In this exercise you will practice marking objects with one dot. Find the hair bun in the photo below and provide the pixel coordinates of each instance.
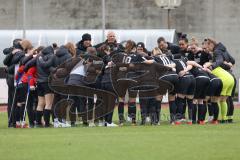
(184, 36)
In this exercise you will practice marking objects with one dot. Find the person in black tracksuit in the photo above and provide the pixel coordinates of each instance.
(13, 57)
(171, 77)
(44, 64)
(185, 87)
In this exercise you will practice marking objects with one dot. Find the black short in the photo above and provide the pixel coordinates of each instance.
(21, 93)
(122, 87)
(173, 79)
(215, 87)
(202, 85)
(43, 89)
(186, 85)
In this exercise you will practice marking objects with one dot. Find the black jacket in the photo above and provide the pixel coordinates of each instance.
(11, 60)
(32, 62)
(205, 57)
(114, 46)
(173, 48)
(6, 51)
(81, 49)
(44, 63)
(220, 55)
(187, 54)
(106, 78)
(201, 57)
(25, 59)
(62, 54)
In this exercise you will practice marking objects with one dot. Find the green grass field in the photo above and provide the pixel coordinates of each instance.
(208, 142)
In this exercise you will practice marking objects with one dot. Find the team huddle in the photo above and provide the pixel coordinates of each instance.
(87, 82)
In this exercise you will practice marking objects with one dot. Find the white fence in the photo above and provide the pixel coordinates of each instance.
(47, 37)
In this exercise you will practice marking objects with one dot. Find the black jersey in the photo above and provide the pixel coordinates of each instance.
(181, 64)
(202, 57)
(205, 57)
(106, 69)
(133, 58)
(197, 57)
(187, 54)
(164, 60)
(196, 71)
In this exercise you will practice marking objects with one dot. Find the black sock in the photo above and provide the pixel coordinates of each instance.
(190, 108)
(132, 111)
(143, 107)
(210, 109)
(47, 114)
(230, 107)
(30, 111)
(22, 112)
(184, 109)
(180, 104)
(53, 115)
(153, 111)
(202, 109)
(121, 111)
(173, 110)
(17, 114)
(108, 118)
(215, 110)
(194, 113)
(199, 113)
(153, 117)
(158, 110)
(39, 115)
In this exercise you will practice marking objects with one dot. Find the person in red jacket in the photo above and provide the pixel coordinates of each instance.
(24, 96)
